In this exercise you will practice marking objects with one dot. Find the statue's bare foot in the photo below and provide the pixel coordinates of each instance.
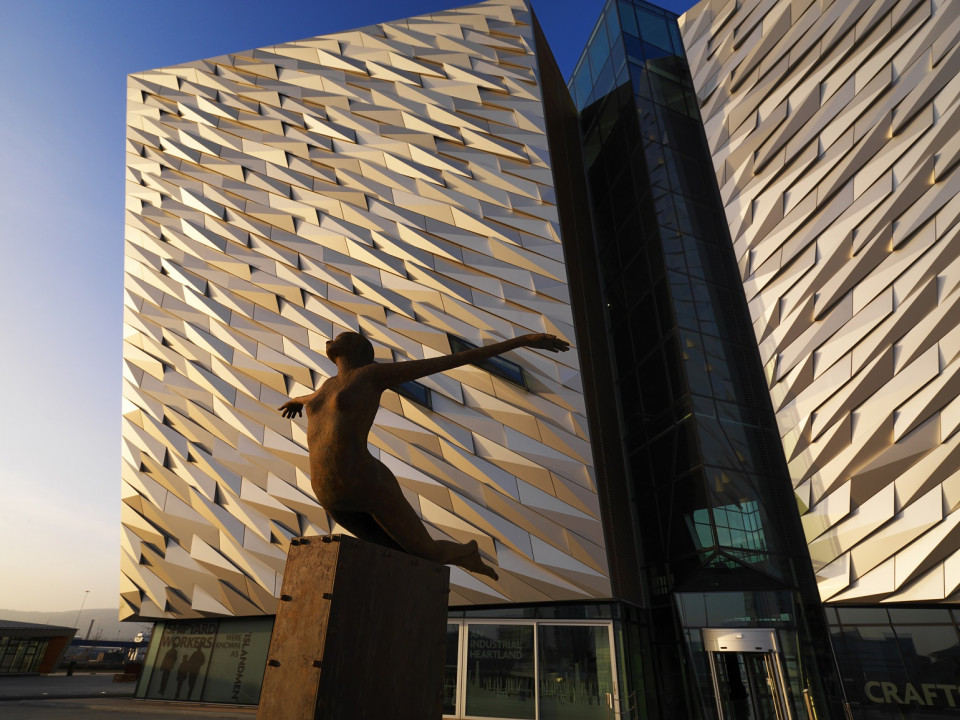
(471, 560)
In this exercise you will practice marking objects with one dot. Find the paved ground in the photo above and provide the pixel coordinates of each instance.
(95, 696)
(116, 709)
(13, 687)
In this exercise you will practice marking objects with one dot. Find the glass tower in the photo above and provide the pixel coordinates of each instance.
(718, 531)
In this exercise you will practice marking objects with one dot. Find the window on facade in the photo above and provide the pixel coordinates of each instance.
(496, 365)
(500, 680)
(237, 661)
(418, 393)
(575, 672)
(909, 660)
(736, 528)
(21, 655)
(9, 650)
(929, 652)
(451, 656)
(182, 659)
(208, 660)
(510, 669)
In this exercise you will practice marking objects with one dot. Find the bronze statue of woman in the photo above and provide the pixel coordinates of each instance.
(358, 491)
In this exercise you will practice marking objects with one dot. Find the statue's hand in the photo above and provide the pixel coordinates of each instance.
(291, 409)
(545, 341)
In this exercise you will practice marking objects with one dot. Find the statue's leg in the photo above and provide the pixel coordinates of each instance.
(393, 513)
(364, 527)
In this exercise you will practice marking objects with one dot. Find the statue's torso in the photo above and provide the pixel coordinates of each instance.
(339, 419)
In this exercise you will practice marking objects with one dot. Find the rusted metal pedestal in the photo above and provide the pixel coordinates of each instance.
(359, 635)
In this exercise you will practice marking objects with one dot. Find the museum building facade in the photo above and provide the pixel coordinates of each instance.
(435, 184)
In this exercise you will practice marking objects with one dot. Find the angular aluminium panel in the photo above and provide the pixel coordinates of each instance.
(835, 133)
(393, 180)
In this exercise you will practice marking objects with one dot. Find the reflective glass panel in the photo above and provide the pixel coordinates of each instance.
(496, 365)
(11, 656)
(654, 29)
(627, 18)
(183, 655)
(412, 390)
(237, 661)
(599, 48)
(451, 655)
(149, 663)
(33, 656)
(931, 653)
(863, 616)
(576, 674)
(613, 26)
(583, 83)
(21, 655)
(920, 616)
(747, 686)
(500, 680)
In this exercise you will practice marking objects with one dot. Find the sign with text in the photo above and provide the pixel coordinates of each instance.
(182, 658)
(923, 694)
(238, 661)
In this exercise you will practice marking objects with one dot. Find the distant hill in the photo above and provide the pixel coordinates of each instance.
(106, 626)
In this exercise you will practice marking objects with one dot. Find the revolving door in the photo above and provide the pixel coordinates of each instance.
(748, 677)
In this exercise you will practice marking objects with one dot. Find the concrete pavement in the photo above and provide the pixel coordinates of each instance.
(96, 696)
(21, 687)
(117, 709)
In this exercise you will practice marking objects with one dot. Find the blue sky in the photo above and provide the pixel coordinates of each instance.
(64, 65)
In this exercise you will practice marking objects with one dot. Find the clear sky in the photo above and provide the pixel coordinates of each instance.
(64, 65)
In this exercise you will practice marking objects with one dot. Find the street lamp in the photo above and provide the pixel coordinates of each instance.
(82, 602)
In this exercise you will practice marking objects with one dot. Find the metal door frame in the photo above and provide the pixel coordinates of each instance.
(463, 624)
(747, 640)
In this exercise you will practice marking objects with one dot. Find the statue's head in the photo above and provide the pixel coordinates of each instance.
(352, 347)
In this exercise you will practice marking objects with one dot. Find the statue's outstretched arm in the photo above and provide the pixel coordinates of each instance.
(390, 374)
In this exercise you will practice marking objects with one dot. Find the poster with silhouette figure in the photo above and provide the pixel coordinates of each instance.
(183, 656)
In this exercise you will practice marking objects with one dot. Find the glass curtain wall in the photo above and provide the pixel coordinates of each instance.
(709, 482)
(530, 670)
(21, 655)
(575, 672)
(499, 668)
(220, 661)
(706, 463)
(899, 662)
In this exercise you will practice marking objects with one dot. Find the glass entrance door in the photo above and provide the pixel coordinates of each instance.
(530, 670)
(747, 687)
(747, 675)
(575, 671)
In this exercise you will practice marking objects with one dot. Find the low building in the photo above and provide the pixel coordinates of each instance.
(27, 648)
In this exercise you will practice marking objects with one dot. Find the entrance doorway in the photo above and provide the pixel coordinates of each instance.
(530, 670)
(747, 674)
